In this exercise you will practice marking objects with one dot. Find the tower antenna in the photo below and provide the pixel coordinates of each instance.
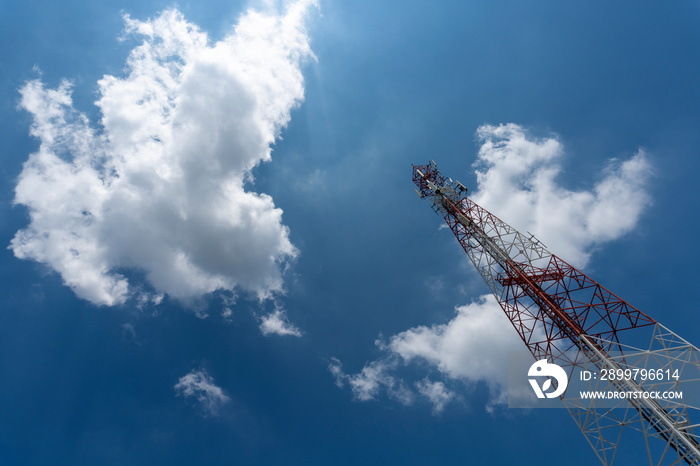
(569, 319)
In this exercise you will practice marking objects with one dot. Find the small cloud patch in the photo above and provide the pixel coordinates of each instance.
(199, 385)
(277, 323)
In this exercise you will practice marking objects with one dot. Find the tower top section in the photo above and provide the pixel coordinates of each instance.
(430, 183)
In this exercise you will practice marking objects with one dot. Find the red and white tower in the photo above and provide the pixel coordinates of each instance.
(567, 318)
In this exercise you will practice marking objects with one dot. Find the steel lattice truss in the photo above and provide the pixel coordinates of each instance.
(563, 315)
(605, 425)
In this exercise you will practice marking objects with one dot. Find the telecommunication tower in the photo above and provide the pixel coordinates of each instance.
(567, 318)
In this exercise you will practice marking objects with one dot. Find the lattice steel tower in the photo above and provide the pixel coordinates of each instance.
(563, 315)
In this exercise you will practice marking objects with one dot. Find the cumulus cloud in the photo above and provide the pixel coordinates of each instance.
(277, 323)
(473, 346)
(200, 385)
(159, 186)
(516, 180)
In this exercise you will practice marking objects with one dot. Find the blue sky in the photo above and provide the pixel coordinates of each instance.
(168, 315)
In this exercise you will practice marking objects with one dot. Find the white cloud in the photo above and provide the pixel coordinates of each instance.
(517, 182)
(160, 186)
(437, 393)
(375, 376)
(473, 346)
(277, 323)
(201, 386)
(516, 177)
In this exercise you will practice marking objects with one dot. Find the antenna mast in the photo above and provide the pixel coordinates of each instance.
(566, 317)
